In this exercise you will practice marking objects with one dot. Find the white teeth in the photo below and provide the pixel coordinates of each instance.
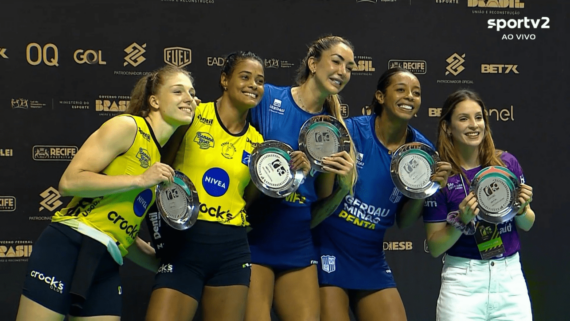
(472, 134)
(336, 81)
(406, 107)
(186, 109)
(251, 95)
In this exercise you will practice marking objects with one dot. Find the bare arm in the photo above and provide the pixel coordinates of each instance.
(329, 199)
(83, 176)
(525, 217)
(143, 255)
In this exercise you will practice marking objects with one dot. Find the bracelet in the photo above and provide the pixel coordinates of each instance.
(454, 220)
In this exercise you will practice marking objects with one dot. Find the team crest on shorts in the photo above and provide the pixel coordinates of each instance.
(328, 263)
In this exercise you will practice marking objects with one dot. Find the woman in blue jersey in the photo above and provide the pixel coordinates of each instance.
(284, 274)
(210, 263)
(74, 269)
(353, 269)
(475, 285)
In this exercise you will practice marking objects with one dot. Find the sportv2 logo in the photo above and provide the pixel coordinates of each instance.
(524, 23)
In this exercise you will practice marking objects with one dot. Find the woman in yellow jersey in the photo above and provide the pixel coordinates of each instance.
(74, 269)
(211, 261)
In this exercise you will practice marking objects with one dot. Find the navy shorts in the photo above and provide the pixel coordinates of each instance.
(283, 241)
(208, 254)
(51, 269)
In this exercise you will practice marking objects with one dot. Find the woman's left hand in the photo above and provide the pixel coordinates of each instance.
(525, 197)
(442, 171)
(299, 161)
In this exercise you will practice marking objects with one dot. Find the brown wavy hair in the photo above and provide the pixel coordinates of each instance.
(332, 102)
(148, 86)
(488, 155)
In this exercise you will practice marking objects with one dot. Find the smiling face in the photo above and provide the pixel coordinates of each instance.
(402, 98)
(244, 85)
(467, 126)
(332, 71)
(176, 99)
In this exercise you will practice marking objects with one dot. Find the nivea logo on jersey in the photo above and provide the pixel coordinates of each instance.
(143, 157)
(245, 157)
(216, 181)
(275, 107)
(396, 196)
(207, 121)
(204, 140)
(146, 136)
(130, 229)
(54, 284)
(359, 160)
(142, 201)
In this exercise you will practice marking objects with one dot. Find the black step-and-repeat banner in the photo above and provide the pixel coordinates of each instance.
(68, 66)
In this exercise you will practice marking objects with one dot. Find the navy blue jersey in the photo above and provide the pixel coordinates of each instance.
(281, 235)
(350, 240)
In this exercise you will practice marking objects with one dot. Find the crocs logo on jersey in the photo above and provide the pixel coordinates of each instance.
(204, 140)
(166, 268)
(54, 284)
(216, 181)
(130, 229)
(217, 212)
(143, 157)
(142, 201)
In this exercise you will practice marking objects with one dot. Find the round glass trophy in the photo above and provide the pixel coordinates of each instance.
(270, 170)
(178, 202)
(411, 168)
(496, 189)
(322, 136)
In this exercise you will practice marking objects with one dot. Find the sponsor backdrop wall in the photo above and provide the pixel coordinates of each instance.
(68, 66)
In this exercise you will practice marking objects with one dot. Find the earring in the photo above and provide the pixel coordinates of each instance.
(225, 88)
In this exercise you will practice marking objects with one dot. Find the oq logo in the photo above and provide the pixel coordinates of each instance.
(91, 57)
(134, 55)
(7, 203)
(50, 199)
(496, 3)
(3, 53)
(455, 62)
(49, 54)
(177, 56)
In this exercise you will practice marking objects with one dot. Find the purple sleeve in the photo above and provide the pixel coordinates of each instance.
(513, 165)
(435, 207)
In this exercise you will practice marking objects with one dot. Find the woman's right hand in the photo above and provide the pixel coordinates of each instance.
(156, 174)
(468, 208)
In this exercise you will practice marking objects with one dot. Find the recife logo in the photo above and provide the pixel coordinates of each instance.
(142, 201)
(216, 181)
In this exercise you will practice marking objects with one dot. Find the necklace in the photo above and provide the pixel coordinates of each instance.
(303, 107)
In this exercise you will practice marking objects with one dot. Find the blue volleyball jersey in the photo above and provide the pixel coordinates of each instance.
(449, 198)
(283, 238)
(278, 117)
(349, 242)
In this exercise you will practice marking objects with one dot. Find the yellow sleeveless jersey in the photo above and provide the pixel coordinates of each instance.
(217, 163)
(120, 215)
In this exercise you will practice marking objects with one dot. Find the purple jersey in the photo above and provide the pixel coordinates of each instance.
(448, 199)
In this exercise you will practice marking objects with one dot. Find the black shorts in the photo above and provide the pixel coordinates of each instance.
(51, 269)
(209, 254)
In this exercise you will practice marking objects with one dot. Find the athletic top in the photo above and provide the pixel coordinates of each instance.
(448, 199)
(216, 161)
(120, 215)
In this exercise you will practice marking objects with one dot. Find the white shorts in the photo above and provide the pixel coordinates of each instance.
(483, 290)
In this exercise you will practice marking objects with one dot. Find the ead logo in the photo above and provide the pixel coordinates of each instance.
(496, 4)
(216, 61)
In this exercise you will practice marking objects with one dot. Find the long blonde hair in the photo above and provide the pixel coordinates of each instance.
(332, 102)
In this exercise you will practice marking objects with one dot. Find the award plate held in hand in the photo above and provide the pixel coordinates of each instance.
(496, 189)
(270, 170)
(322, 136)
(178, 202)
(411, 167)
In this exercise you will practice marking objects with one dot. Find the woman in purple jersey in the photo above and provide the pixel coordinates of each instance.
(363, 280)
(283, 272)
(475, 285)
